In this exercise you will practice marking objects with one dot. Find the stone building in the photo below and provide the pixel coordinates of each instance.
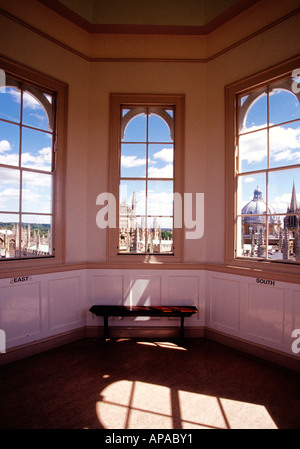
(135, 236)
(283, 241)
(33, 243)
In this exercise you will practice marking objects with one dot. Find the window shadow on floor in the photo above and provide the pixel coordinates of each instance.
(147, 384)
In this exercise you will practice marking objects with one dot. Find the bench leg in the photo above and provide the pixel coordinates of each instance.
(106, 329)
(182, 327)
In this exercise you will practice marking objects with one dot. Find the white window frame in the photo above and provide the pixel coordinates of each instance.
(256, 81)
(117, 102)
(60, 92)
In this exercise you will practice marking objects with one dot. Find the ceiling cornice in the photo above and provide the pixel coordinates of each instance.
(97, 28)
(197, 60)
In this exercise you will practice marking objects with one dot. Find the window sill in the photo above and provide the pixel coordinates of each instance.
(145, 258)
(13, 266)
(235, 267)
(281, 271)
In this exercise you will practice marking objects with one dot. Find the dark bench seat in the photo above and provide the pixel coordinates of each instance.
(151, 311)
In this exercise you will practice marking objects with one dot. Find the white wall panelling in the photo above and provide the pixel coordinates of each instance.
(21, 312)
(296, 309)
(266, 314)
(224, 304)
(142, 287)
(238, 306)
(64, 302)
(256, 312)
(42, 306)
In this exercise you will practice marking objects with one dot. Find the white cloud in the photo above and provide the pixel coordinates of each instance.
(164, 172)
(284, 145)
(37, 181)
(282, 202)
(7, 197)
(131, 161)
(166, 155)
(249, 179)
(253, 147)
(4, 146)
(9, 159)
(9, 176)
(10, 193)
(40, 162)
(29, 101)
(160, 203)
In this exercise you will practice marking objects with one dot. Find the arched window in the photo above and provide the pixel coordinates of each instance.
(28, 141)
(267, 159)
(146, 152)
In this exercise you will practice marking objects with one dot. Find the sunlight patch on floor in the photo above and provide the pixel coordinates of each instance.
(162, 344)
(140, 405)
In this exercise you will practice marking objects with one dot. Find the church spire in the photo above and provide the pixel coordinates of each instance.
(293, 206)
(133, 206)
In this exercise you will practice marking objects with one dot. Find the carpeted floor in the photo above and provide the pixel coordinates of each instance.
(147, 384)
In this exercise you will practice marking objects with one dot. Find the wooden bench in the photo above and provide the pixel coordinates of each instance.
(151, 311)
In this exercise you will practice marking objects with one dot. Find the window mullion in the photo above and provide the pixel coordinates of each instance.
(21, 173)
(146, 193)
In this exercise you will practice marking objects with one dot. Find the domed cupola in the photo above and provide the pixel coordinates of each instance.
(257, 206)
(257, 194)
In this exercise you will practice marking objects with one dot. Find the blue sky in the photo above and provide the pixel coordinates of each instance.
(284, 145)
(36, 153)
(158, 166)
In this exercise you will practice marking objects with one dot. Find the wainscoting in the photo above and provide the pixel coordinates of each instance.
(47, 310)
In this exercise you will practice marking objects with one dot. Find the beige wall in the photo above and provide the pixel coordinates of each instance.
(232, 309)
(84, 62)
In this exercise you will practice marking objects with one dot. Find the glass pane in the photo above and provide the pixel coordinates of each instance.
(9, 143)
(291, 239)
(253, 111)
(253, 239)
(284, 144)
(36, 149)
(277, 243)
(160, 161)
(132, 235)
(160, 198)
(9, 231)
(252, 196)
(132, 199)
(283, 104)
(159, 129)
(286, 244)
(36, 235)
(284, 191)
(239, 238)
(9, 189)
(133, 160)
(253, 151)
(37, 192)
(134, 126)
(34, 114)
(160, 235)
(10, 104)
